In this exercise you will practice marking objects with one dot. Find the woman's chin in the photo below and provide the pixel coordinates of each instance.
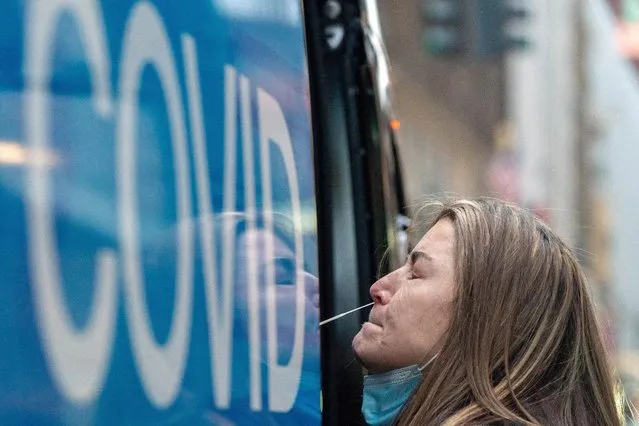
(362, 349)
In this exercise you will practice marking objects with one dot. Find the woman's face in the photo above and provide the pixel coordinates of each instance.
(412, 306)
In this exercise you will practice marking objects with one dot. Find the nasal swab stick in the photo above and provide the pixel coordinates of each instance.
(345, 313)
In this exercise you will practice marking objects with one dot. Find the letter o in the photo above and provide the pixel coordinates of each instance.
(161, 367)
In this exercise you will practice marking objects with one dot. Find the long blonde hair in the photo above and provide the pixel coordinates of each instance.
(523, 345)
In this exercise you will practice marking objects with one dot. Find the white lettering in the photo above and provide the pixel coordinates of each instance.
(284, 380)
(253, 290)
(223, 324)
(161, 367)
(220, 326)
(78, 359)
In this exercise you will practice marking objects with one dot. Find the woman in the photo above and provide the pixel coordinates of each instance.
(489, 322)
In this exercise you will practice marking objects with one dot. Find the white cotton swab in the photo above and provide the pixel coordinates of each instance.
(326, 321)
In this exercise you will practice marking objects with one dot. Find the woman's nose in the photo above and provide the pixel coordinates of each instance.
(380, 291)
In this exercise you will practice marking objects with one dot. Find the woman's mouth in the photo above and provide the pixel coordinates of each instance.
(369, 327)
(374, 320)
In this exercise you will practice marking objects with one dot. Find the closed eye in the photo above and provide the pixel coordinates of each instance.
(415, 261)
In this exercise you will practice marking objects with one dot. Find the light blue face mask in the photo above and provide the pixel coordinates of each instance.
(385, 394)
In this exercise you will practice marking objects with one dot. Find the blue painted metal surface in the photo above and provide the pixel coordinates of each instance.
(158, 255)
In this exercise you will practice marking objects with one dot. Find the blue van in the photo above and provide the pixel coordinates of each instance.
(186, 189)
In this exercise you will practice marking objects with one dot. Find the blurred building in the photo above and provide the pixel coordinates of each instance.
(449, 109)
(543, 99)
(611, 128)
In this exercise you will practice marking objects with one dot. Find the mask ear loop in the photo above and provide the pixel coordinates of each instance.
(428, 362)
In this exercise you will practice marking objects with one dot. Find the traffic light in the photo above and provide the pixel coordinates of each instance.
(491, 27)
(444, 23)
(473, 28)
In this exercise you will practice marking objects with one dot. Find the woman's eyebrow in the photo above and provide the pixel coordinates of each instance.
(417, 255)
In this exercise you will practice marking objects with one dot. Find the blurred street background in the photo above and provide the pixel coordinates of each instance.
(545, 114)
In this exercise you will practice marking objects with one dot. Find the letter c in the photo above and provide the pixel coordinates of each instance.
(78, 359)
